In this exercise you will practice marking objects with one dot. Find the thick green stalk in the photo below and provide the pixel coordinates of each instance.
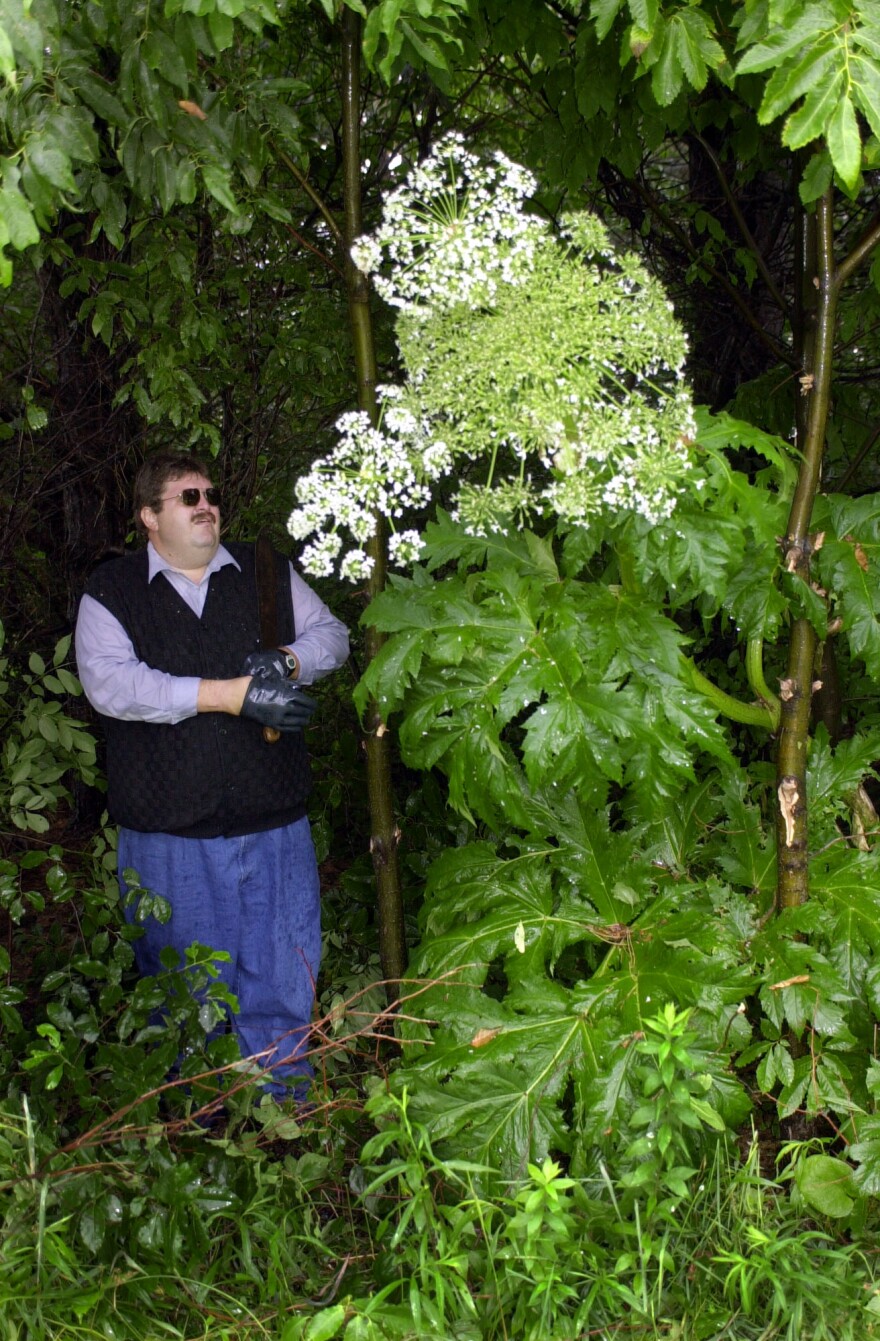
(384, 832)
(796, 688)
(750, 714)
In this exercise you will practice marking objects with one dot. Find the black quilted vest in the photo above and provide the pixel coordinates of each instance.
(211, 774)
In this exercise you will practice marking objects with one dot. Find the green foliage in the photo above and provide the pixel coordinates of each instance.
(627, 859)
(552, 1255)
(414, 31)
(43, 747)
(61, 118)
(823, 60)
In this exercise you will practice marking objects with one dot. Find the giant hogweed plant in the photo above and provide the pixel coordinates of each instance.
(581, 651)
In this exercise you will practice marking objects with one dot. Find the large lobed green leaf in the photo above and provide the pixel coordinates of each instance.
(516, 666)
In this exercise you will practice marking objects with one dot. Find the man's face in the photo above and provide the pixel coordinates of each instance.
(187, 537)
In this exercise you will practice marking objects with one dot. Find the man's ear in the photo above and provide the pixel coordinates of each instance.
(148, 517)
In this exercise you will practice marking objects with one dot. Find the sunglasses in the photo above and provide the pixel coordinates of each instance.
(190, 497)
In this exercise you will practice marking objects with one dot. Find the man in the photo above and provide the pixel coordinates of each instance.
(212, 814)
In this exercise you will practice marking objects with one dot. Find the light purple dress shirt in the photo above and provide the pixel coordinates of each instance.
(118, 685)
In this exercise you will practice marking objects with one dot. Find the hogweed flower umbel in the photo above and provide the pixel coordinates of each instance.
(547, 361)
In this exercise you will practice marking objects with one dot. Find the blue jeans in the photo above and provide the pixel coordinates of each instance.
(257, 897)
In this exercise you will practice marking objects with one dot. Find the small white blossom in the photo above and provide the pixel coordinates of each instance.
(404, 547)
(366, 254)
(356, 566)
(318, 557)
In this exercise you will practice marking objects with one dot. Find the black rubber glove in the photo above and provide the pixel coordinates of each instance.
(277, 703)
(265, 665)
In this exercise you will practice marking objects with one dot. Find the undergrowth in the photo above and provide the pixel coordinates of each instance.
(149, 1189)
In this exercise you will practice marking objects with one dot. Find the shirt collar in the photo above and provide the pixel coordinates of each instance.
(159, 565)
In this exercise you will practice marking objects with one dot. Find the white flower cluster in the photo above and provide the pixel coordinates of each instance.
(368, 472)
(453, 232)
(553, 360)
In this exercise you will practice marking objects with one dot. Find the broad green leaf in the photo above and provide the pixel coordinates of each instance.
(95, 94)
(753, 599)
(603, 13)
(817, 177)
(700, 546)
(52, 164)
(216, 180)
(163, 55)
(834, 773)
(747, 854)
(70, 130)
(826, 1185)
(667, 76)
(165, 180)
(716, 432)
(865, 76)
(24, 34)
(812, 120)
(788, 82)
(392, 670)
(865, 1152)
(325, 1324)
(500, 1111)
(15, 212)
(849, 569)
(805, 602)
(7, 57)
(430, 52)
(697, 47)
(804, 30)
(845, 142)
(644, 13)
(222, 32)
(595, 864)
(847, 884)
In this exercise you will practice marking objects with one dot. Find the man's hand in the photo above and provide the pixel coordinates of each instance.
(265, 665)
(277, 703)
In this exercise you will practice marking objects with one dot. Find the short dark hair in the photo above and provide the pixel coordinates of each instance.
(155, 473)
